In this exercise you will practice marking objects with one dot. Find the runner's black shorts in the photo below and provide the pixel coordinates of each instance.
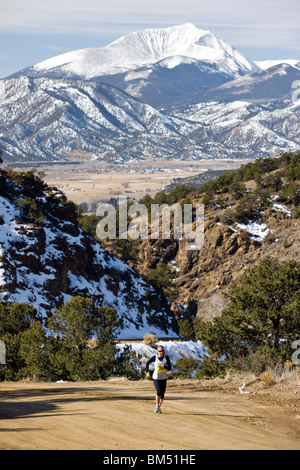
(160, 386)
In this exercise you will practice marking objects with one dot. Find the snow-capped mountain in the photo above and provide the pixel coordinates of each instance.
(47, 259)
(161, 67)
(174, 93)
(174, 44)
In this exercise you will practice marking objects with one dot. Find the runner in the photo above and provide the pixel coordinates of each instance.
(162, 364)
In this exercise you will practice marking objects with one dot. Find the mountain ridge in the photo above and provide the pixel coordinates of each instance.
(142, 48)
(179, 107)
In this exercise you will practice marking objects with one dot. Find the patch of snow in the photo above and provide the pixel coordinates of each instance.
(257, 231)
(276, 206)
(281, 208)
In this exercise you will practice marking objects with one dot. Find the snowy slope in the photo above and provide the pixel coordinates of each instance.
(146, 47)
(176, 350)
(273, 84)
(245, 128)
(266, 64)
(51, 119)
(46, 264)
(46, 119)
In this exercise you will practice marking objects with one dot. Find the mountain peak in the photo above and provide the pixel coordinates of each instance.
(144, 48)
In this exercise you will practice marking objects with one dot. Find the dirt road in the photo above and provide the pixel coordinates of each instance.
(118, 415)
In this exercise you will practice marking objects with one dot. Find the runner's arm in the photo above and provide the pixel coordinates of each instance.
(168, 365)
(152, 359)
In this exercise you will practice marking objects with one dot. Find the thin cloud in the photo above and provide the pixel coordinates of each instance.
(253, 23)
(58, 13)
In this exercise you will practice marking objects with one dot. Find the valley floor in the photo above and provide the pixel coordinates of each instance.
(118, 415)
(97, 181)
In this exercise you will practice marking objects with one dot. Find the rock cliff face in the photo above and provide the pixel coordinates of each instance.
(45, 259)
(227, 252)
(229, 249)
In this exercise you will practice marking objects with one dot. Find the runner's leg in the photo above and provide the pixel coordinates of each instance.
(160, 386)
(157, 384)
(163, 386)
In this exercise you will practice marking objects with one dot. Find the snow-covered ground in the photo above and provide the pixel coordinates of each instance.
(279, 207)
(257, 231)
(30, 271)
(175, 349)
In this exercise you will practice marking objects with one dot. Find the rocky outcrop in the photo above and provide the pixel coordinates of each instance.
(229, 249)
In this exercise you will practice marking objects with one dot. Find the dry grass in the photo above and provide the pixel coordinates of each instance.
(267, 378)
(150, 340)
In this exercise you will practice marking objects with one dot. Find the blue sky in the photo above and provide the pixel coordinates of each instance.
(35, 30)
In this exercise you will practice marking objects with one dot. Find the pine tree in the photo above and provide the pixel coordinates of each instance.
(16, 321)
(73, 326)
(263, 314)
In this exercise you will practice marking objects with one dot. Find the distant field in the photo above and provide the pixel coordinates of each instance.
(95, 181)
